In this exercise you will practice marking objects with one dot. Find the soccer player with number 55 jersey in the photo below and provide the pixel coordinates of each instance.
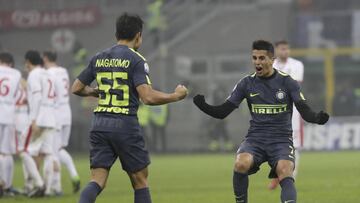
(122, 76)
(270, 95)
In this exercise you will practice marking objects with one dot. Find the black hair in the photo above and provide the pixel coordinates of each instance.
(34, 57)
(51, 55)
(127, 26)
(281, 42)
(7, 58)
(263, 45)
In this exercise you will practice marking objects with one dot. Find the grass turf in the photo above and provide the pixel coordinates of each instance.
(326, 177)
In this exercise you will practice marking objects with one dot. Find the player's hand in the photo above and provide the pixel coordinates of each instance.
(199, 100)
(35, 130)
(95, 92)
(181, 91)
(322, 117)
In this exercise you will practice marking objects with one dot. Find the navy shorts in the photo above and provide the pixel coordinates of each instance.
(270, 150)
(126, 143)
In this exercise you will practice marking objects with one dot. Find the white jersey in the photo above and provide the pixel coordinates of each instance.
(61, 77)
(295, 69)
(9, 84)
(41, 98)
(21, 110)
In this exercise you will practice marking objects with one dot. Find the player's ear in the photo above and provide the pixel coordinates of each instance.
(138, 36)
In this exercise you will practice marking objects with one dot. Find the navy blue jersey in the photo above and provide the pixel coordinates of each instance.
(270, 101)
(117, 71)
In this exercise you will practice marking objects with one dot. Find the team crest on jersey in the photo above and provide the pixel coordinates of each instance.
(146, 68)
(280, 95)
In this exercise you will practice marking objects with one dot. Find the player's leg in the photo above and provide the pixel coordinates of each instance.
(33, 149)
(47, 152)
(248, 159)
(7, 149)
(102, 157)
(243, 163)
(56, 181)
(284, 170)
(282, 160)
(134, 160)
(95, 186)
(140, 185)
(29, 165)
(66, 159)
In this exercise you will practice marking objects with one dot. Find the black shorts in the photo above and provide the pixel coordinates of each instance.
(106, 147)
(270, 150)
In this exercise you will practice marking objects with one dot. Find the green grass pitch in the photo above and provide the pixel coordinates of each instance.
(326, 177)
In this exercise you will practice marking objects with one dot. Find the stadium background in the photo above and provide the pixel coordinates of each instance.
(206, 45)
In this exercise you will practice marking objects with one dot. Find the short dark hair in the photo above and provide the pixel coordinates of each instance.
(7, 58)
(51, 55)
(281, 42)
(34, 57)
(263, 45)
(127, 26)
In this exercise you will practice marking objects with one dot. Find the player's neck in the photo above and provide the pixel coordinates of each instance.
(34, 67)
(51, 65)
(4, 65)
(283, 60)
(269, 76)
(130, 44)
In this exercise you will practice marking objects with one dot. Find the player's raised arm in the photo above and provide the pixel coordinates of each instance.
(223, 110)
(219, 112)
(304, 109)
(149, 96)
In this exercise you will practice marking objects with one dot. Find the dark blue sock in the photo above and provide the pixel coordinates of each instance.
(288, 191)
(142, 195)
(240, 185)
(90, 192)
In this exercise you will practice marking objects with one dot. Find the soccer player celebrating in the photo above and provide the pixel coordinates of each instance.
(122, 77)
(295, 69)
(9, 83)
(61, 77)
(270, 95)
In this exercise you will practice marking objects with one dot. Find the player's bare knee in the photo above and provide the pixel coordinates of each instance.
(243, 163)
(284, 169)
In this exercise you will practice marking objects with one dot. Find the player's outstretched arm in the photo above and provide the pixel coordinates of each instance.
(219, 112)
(83, 90)
(149, 96)
(309, 115)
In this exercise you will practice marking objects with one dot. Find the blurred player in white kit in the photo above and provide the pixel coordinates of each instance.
(295, 69)
(41, 100)
(9, 82)
(63, 115)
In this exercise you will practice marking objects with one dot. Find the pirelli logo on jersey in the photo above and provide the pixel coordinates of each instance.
(112, 109)
(106, 63)
(268, 108)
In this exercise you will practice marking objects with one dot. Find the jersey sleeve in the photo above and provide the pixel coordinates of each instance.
(294, 90)
(88, 74)
(238, 93)
(141, 74)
